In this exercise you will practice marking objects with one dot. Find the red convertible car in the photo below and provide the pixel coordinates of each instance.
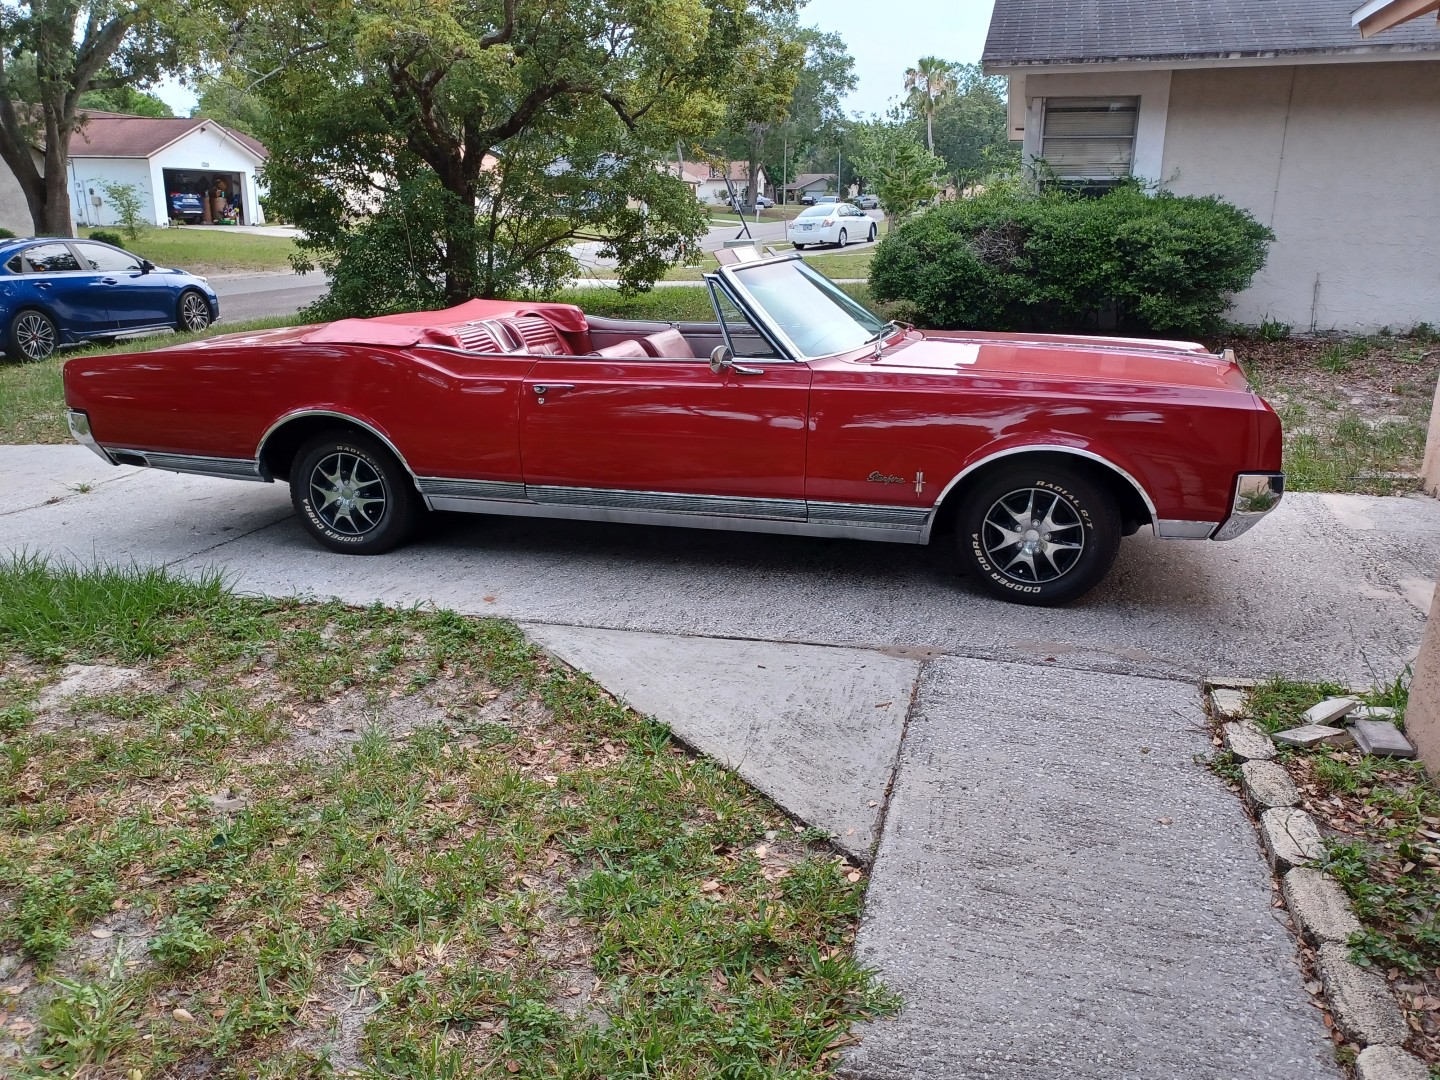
(795, 411)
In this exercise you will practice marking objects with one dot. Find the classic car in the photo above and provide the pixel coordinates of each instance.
(796, 410)
(56, 292)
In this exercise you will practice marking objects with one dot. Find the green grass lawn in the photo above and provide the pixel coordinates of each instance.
(216, 250)
(832, 262)
(32, 402)
(275, 839)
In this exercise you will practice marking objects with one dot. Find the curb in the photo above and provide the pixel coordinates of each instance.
(1364, 1009)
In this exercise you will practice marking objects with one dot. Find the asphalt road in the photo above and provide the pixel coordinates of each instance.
(1329, 585)
(259, 296)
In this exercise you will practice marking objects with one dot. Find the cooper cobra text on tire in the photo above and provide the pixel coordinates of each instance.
(1038, 533)
(352, 495)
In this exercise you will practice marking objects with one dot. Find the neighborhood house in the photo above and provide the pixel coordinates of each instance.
(1279, 106)
(708, 181)
(185, 168)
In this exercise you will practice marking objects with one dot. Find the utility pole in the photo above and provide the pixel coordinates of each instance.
(784, 169)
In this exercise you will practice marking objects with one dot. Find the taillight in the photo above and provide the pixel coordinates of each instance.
(828, 222)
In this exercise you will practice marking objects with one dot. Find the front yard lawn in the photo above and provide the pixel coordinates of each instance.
(832, 262)
(1355, 410)
(255, 838)
(216, 250)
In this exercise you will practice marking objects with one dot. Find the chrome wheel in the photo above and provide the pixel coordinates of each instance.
(1033, 535)
(34, 335)
(194, 312)
(844, 238)
(348, 494)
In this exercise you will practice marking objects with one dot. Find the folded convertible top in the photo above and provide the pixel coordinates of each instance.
(434, 327)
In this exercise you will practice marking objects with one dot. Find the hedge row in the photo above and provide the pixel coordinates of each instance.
(1006, 260)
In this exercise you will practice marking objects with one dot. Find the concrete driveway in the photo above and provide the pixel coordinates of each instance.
(1059, 887)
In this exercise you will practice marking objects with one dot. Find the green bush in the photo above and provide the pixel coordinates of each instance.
(105, 236)
(6, 234)
(1007, 260)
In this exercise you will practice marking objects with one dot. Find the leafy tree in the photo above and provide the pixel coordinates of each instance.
(128, 207)
(228, 99)
(896, 167)
(929, 83)
(489, 134)
(125, 99)
(51, 53)
(971, 127)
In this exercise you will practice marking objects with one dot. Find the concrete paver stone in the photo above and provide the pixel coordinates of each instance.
(1267, 785)
(1389, 1063)
(1360, 1000)
(1246, 741)
(1291, 838)
(1381, 738)
(1330, 710)
(1319, 906)
(1308, 735)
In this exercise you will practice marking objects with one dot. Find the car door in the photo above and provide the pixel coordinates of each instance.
(74, 296)
(137, 298)
(667, 434)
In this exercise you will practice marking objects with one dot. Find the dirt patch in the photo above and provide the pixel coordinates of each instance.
(114, 948)
(333, 1022)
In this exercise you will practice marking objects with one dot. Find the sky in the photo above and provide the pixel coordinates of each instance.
(887, 36)
(884, 36)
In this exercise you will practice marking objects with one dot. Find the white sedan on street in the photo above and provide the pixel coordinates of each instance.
(830, 223)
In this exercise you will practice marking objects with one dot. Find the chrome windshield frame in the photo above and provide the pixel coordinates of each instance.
(745, 300)
(754, 312)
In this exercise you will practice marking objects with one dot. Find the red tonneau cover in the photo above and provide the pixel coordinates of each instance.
(432, 326)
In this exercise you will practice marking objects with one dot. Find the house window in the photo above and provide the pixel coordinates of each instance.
(1091, 140)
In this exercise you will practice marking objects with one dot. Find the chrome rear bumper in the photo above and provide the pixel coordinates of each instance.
(1256, 494)
(79, 425)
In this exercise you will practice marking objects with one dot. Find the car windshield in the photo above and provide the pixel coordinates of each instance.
(817, 211)
(818, 317)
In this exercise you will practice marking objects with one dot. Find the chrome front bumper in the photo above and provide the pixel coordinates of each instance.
(1256, 494)
(80, 431)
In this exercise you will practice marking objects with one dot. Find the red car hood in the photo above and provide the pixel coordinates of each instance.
(1110, 360)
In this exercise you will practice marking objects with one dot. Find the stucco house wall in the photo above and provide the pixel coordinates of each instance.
(88, 177)
(1342, 161)
(14, 211)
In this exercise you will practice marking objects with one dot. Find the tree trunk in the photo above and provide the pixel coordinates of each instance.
(462, 248)
(930, 130)
(55, 218)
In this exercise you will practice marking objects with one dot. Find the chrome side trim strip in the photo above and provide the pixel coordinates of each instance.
(298, 413)
(872, 517)
(1046, 448)
(668, 502)
(1176, 529)
(226, 467)
(689, 520)
(442, 487)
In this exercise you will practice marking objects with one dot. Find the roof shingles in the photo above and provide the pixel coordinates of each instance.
(116, 135)
(1094, 31)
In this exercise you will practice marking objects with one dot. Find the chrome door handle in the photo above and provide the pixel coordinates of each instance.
(541, 389)
(108, 280)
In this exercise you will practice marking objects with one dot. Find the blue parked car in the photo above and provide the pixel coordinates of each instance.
(56, 292)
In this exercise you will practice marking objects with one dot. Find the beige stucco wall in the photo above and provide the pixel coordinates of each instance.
(1342, 161)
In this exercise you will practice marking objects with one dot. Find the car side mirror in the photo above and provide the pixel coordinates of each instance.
(721, 359)
(146, 266)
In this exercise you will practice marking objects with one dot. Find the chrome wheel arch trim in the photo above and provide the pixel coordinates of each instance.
(300, 414)
(1041, 448)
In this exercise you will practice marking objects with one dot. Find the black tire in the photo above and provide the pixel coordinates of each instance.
(353, 466)
(33, 335)
(192, 312)
(871, 238)
(843, 239)
(799, 247)
(1060, 507)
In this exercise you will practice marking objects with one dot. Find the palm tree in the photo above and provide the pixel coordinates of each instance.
(929, 82)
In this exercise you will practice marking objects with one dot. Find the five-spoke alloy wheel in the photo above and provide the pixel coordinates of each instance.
(1038, 534)
(352, 494)
(194, 311)
(33, 335)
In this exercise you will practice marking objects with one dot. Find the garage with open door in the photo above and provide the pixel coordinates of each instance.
(205, 196)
